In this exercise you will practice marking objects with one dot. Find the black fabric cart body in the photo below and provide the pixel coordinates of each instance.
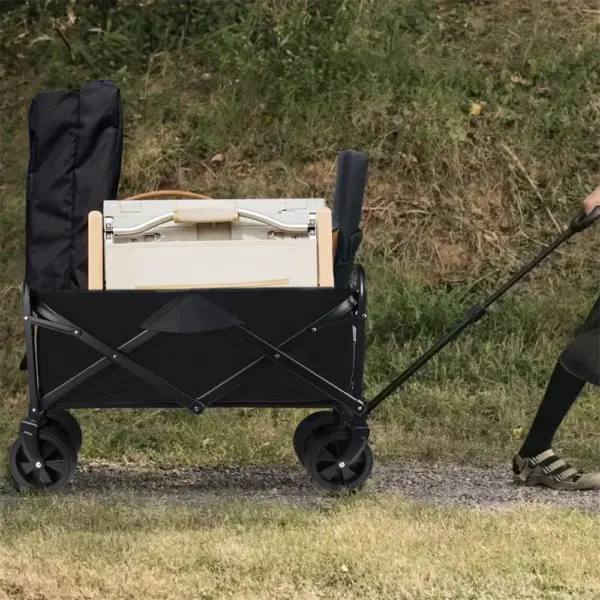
(301, 348)
(192, 350)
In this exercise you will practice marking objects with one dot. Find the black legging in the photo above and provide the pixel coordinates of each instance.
(561, 393)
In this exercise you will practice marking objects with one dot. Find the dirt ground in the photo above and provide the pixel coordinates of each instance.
(443, 485)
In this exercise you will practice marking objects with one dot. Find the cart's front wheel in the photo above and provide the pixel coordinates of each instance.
(59, 463)
(65, 421)
(323, 462)
(309, 427)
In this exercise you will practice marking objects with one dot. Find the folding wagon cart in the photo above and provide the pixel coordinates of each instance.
(161, 302)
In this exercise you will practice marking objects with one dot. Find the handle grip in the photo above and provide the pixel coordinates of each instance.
(209, 212)
(584, 220)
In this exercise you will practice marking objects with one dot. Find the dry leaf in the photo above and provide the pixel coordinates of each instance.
(476, 109)
(218, 159)
(516, 78)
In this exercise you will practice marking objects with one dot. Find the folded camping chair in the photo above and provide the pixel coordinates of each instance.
(76, 142)
(75, 154)
(347, 210)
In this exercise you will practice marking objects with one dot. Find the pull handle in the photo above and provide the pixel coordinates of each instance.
(584, 220)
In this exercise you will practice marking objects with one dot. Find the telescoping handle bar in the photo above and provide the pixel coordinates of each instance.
(580, 223)
(210, 212)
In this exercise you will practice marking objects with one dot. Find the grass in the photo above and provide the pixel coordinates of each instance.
(480, 121)
(362, 547)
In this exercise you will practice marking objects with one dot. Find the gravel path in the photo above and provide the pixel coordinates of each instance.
(443, 485)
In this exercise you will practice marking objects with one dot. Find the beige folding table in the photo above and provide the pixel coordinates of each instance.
(174, 243)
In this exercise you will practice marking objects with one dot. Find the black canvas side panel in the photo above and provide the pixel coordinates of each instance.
(50, 188)
(195, 362)
(75, 142)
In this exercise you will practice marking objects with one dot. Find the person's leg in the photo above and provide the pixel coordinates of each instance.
(536, 463)
(562, 391)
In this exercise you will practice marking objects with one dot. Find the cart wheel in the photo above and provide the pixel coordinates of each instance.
(66, 422)
(322, 461)
(308, 427)
(60, 463)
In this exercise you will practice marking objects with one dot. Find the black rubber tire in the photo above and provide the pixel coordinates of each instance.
(65, 421)
(322, 457)
(60, 458)
(308, 427)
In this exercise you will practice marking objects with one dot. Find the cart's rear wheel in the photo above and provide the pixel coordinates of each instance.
(65, 421)
(60, 463)
(310, 426)
(323, 462)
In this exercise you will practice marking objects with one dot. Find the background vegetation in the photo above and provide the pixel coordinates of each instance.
(480, 120)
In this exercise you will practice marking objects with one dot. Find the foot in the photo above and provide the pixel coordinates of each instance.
(549, 470)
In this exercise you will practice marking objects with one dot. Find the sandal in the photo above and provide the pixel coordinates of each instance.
(549, 470)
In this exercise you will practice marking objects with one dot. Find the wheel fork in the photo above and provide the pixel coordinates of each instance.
(359, 437)
(30, 428)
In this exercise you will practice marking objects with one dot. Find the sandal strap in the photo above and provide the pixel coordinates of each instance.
(536, 460)
(550, 465)
(566, 474)
(553, 466)
(525, 472)
(532, 463)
